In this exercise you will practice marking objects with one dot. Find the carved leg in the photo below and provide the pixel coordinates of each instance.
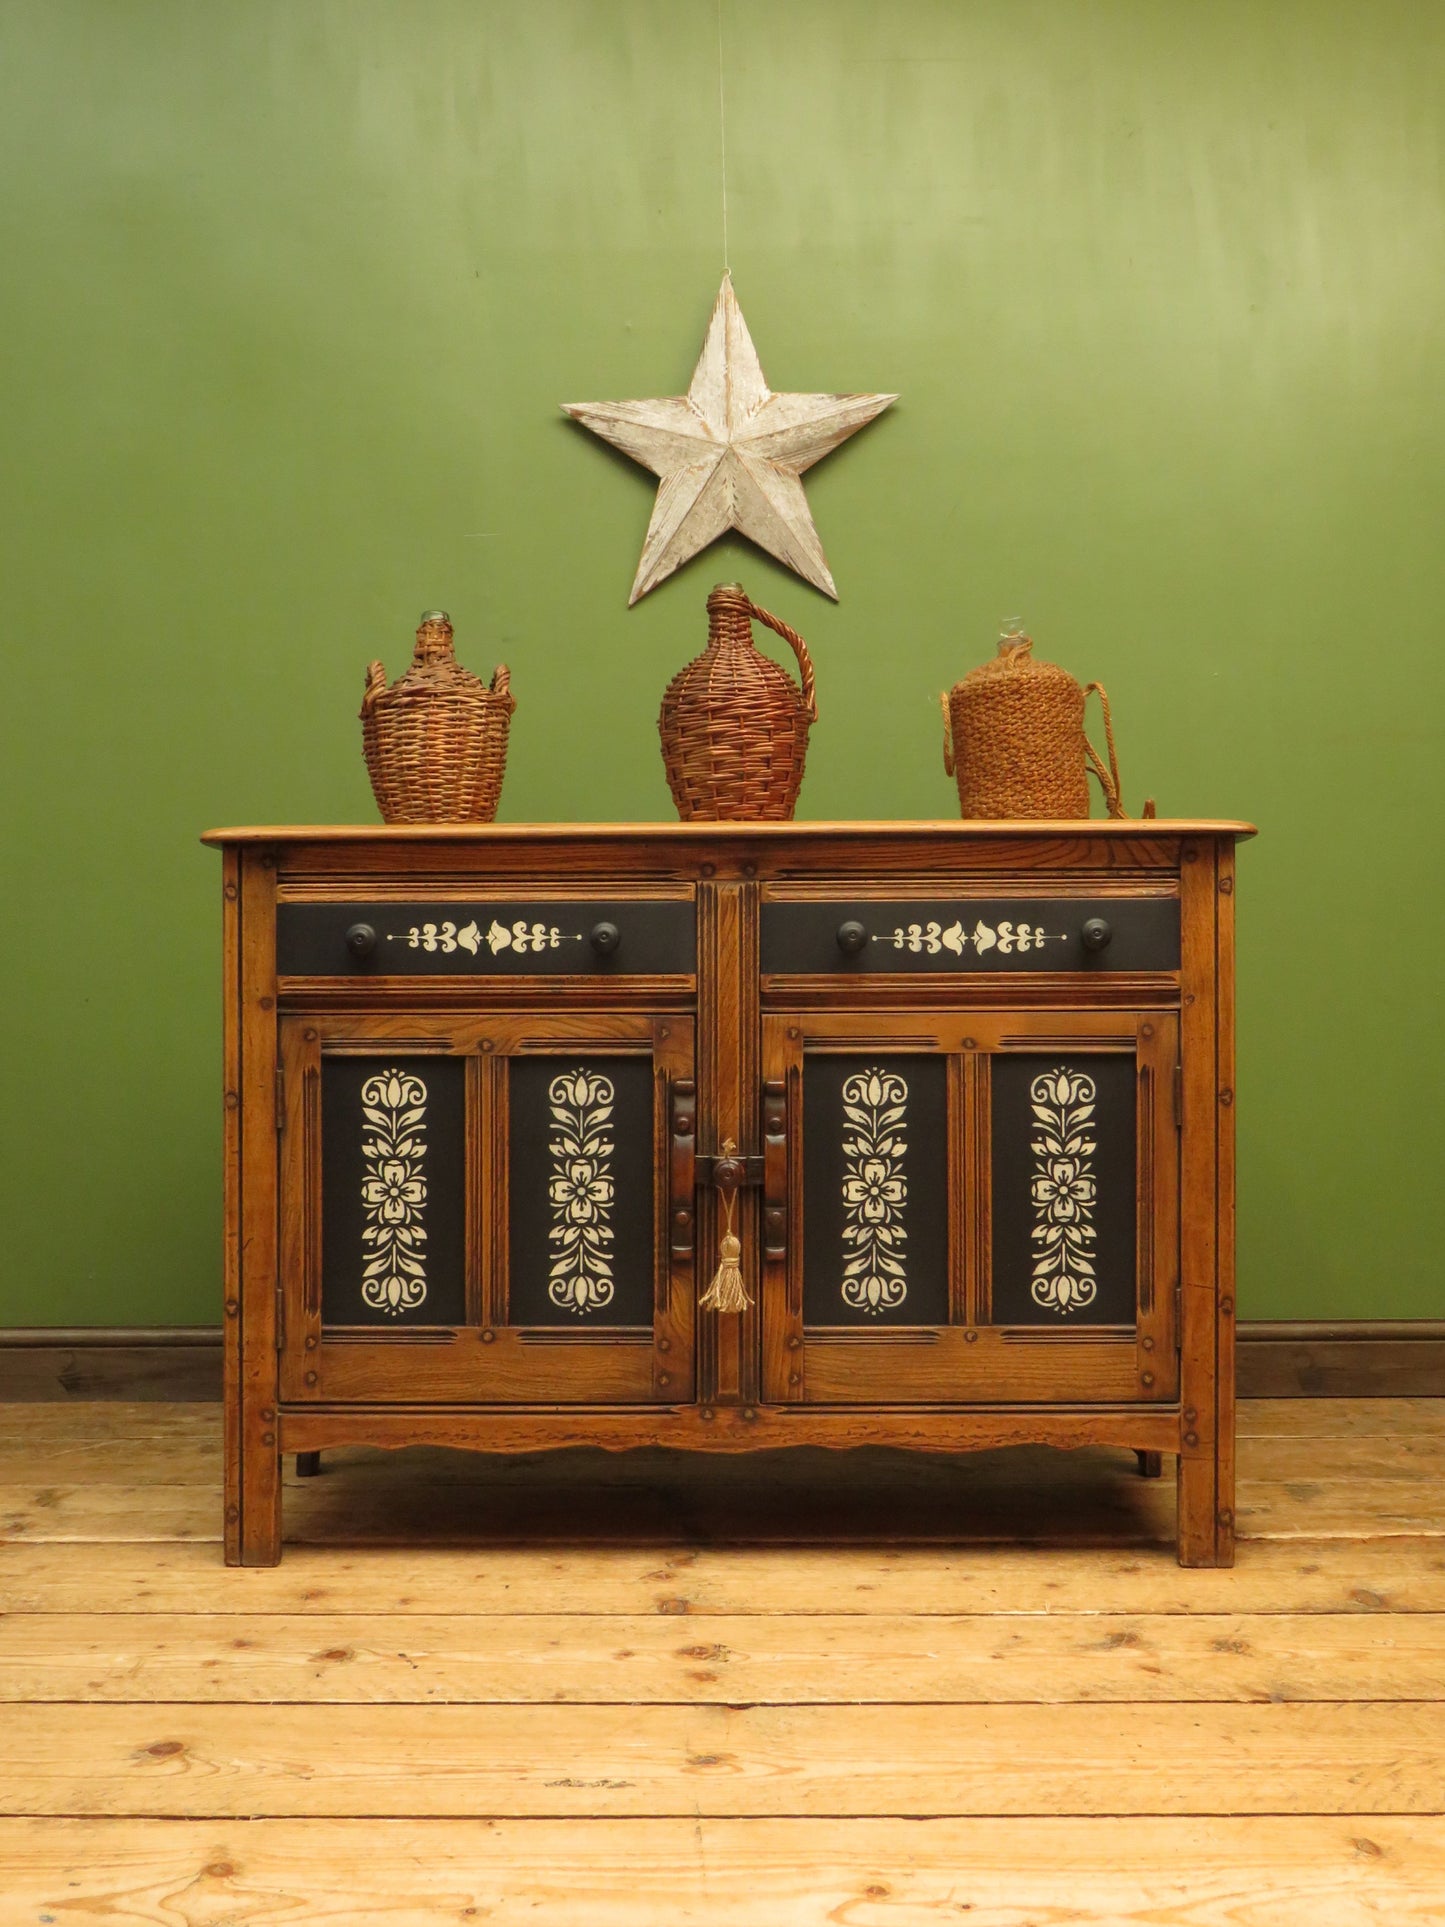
(1151, 1464)
(308, 1464)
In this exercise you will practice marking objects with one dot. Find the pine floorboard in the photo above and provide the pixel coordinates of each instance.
(792, 1691)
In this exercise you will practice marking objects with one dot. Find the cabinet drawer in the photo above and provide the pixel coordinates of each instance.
(525, 937)
(959, 935)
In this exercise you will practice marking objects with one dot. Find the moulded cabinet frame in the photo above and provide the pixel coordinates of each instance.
(729, 1383)
(971, 1359)
(252, 1432)
(485, 1359)
(1207, 1423)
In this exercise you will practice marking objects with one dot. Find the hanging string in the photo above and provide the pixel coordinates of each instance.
(722, 126)
(727, 1292)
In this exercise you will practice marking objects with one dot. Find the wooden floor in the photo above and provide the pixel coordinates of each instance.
(572, 1690)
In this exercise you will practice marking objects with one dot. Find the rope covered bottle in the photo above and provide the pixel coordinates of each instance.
(1013, 739)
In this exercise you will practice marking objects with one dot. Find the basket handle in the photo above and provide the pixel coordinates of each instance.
(1108, 778)
(375, 683)
(947, 733)
(501, 686)
(799, 649)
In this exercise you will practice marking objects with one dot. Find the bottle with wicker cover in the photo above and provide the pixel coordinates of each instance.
(436, 740)
(734, 726)
(1013, 738)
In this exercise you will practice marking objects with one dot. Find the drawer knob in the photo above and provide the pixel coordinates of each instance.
(604, 938)
(361, 940)
(1097, 934)
(851, 938)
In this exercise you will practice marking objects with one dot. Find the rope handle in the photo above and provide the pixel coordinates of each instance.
(501, 686)
(1108, 778)
(799, 649)
(375, 684)
(947, 733)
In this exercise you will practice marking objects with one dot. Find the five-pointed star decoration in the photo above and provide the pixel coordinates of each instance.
(729, 452)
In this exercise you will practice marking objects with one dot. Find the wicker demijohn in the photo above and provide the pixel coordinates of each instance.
(734, 726)
(1013, 736)
(436, 741)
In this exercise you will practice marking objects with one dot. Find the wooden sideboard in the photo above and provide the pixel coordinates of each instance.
(964, 1091)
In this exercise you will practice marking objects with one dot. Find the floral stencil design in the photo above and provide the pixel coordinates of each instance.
(581, 1190)
(393, 1191)
(874, 1191)
(1063, 1190)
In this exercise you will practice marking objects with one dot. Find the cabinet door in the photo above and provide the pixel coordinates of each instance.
(979, 1206)
(476, 1208)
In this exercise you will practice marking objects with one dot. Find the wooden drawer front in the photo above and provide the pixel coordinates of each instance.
(522, 937)
(966, 935)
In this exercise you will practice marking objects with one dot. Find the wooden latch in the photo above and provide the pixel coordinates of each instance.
(728, 1171)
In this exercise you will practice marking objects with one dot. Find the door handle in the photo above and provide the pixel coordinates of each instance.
(682, 1167)
(775, 1170)
(728, 1171)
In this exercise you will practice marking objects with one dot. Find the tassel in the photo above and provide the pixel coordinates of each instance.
(726, 1292)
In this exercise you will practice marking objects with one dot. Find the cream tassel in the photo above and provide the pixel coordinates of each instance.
(727, 1292)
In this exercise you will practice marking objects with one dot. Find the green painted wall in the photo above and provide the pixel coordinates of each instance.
(291, 292)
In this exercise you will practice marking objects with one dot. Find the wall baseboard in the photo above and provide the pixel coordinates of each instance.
(1399, 1358)
(1354, 1358)
(168, 1362)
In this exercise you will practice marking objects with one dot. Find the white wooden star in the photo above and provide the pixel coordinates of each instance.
(729, 453)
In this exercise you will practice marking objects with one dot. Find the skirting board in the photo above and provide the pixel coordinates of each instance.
(168, 1362)
(1402, 1358)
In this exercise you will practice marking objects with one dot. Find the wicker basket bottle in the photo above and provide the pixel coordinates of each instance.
(734, 726)
(436, 740)
(1013, 738)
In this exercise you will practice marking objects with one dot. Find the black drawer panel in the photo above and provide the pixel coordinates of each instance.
(459, 939)
(974, 934)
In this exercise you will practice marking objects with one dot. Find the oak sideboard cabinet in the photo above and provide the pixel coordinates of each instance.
(962, 1093)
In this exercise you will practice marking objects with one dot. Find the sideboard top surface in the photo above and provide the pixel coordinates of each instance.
(945, 830)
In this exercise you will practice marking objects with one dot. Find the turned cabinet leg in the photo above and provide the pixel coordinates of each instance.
(1151, 1464)
(308, 1464)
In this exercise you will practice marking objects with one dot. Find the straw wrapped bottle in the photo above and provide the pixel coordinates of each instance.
(734, 726)
(1013, 739)
(436, 740)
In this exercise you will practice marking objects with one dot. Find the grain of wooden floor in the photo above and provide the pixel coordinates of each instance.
(579, 1690)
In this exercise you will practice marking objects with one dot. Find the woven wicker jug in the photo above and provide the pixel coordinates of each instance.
(436, 741)
(734, 727)
(1013, 737)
